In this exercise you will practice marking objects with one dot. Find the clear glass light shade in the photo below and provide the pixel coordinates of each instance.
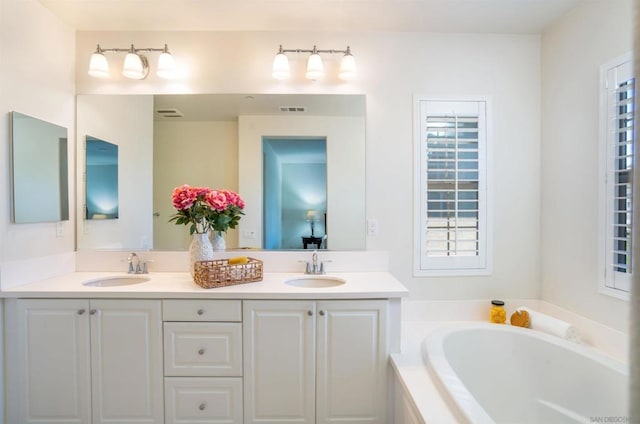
(98, 66)
(281, 69)
(133, 66)
(315, 67)
(347, 68)
(166, 66)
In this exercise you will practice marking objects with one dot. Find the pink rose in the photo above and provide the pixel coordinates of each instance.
(217, 200)
(183, 197)
(233, 198)
(201, 191)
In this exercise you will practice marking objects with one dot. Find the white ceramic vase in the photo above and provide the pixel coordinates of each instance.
(200, 249)
(218, 241)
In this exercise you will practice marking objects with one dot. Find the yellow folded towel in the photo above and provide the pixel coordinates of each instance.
(238, 260)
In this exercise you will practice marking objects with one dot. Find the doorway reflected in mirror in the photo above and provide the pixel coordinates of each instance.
(101, 195)
(295, 191)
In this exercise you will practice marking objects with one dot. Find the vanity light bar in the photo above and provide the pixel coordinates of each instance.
(136, 65)
(315, 67)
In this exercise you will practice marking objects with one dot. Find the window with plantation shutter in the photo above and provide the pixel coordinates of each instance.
(451, 184)
(618, 139)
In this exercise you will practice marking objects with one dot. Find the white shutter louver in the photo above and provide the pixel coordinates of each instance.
(619, 140)
(623, 189)
(452, 180)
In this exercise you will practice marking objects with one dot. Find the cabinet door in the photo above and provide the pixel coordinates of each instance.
(48, 376)
(279, 361)
(126, 357)
(352, 362)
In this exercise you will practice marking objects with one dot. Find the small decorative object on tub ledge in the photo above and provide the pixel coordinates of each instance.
(227, 272)
(520, 319)
(497, 315)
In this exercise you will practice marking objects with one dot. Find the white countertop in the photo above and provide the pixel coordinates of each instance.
(359, 285)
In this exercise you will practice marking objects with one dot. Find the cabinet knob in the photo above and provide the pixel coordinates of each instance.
(310, 313)
(321, 312)
(200, 351)
(202, 406)
(81, 311)
(92, 311)
(200, 311)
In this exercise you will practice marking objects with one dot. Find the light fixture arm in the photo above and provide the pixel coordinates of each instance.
(314, 50)
(131, 49)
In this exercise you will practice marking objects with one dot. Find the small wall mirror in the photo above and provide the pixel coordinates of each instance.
(101, 179)
(40, 176)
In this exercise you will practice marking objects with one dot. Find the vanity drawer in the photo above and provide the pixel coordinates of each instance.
(202, 310)
(203, 400)
(202, 349)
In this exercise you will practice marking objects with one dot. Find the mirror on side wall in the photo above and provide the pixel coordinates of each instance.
(40, 177)
(216, 140)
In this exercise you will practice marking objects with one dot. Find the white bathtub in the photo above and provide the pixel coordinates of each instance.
(491, 373)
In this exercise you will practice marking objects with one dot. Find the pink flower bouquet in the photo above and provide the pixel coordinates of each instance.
(205, 209)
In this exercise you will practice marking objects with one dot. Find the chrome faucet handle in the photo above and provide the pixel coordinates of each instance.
(132, 269)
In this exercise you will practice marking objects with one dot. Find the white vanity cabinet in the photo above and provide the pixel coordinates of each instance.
(84, 361)
(203, 361)
(315, 361)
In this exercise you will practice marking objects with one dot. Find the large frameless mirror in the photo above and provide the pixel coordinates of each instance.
(216, 140)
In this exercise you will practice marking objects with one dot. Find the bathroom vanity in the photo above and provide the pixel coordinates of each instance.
(167, 351)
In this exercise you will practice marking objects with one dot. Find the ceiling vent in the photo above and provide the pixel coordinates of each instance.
(169, 113)
(292, 109)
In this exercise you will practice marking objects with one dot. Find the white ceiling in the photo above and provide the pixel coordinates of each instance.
(483, 16)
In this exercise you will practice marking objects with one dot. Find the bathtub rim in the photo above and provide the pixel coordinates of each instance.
(434, 359)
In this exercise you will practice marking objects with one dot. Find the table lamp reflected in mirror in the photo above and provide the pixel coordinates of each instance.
(312, 217)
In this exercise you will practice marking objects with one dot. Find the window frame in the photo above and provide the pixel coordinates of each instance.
(608, 278)
(453, 265)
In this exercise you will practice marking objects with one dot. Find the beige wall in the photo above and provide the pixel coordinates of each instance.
(572, 52)
(214, 147)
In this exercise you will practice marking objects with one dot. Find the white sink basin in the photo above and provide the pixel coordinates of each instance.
(315, 282)
(121, 280)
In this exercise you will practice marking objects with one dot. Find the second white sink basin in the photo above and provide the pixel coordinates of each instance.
(120, 280)
(315, 282)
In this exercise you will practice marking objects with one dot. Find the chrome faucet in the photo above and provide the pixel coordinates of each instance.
(313, 267)
(135, 265)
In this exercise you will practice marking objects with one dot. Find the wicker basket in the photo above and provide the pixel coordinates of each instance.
(218, 273)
